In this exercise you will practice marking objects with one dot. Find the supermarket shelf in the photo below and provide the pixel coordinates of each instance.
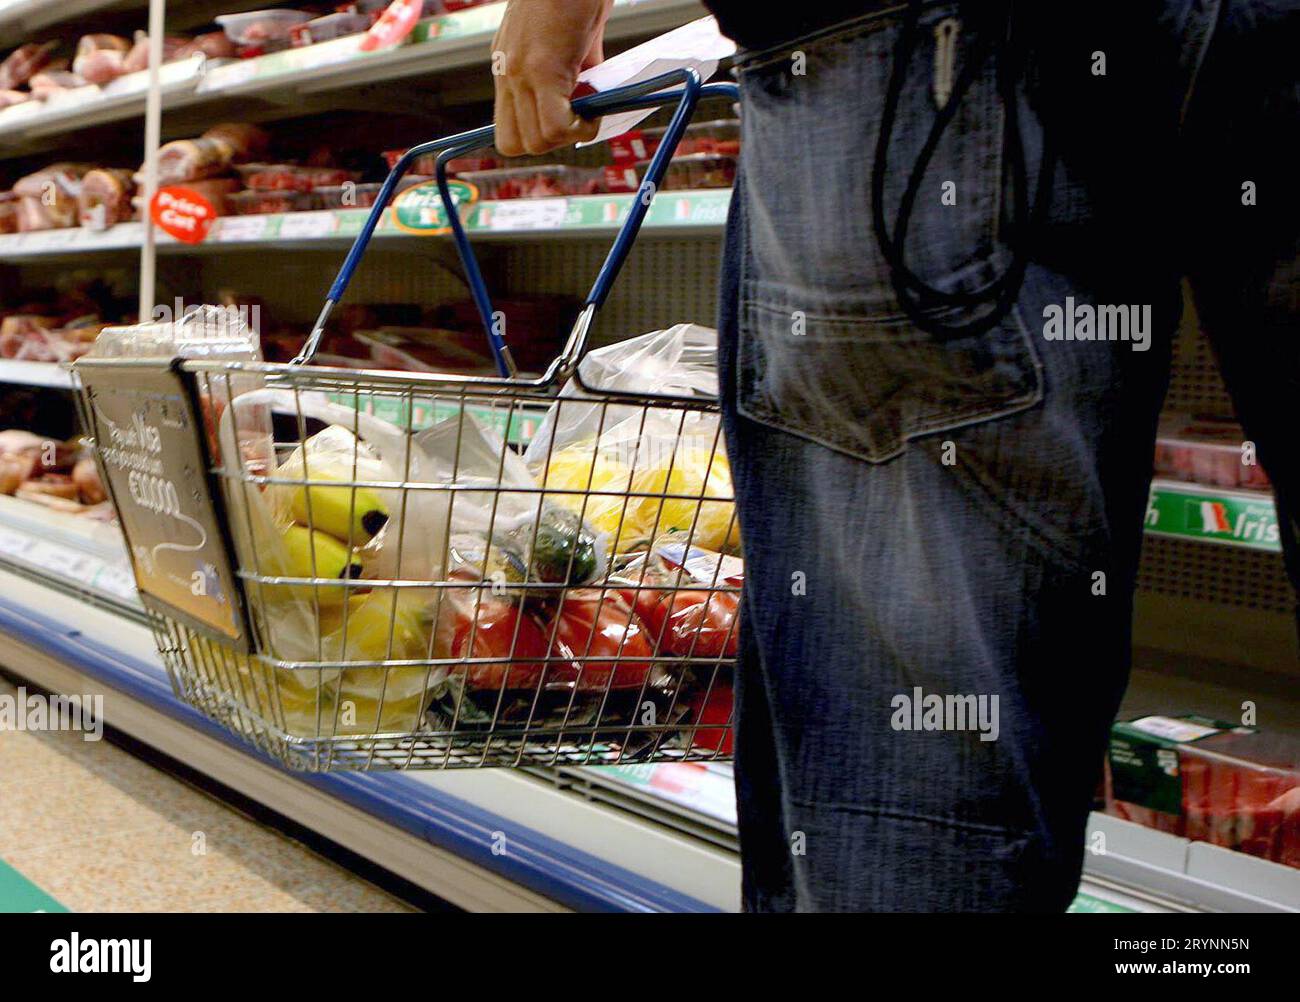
(439, 44)
(23, 125)
(668, 829)
(442, 831)
(82, 557)
(672, 213)
(1196, 875)
(49, 374)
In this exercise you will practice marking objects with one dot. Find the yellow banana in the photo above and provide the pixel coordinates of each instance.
(313, 554)
(351, 514)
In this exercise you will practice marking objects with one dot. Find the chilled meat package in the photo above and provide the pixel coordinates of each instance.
(51, 83)
(545, 181)
(265, 30)
(211, 154)
(24, 63)
(1210, 781)
(213, 44)
(105, 198)
(137, 58)
(246, 142)
(100, 59)
(47, 200)
(1207, 450)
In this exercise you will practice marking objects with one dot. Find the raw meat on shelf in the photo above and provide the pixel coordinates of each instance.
(246, 141)
(100, 59)
(24, 63)
(137, 58)
(47, 199)
(213, 44)
(190, 160)
(50, 83)
(105, 198)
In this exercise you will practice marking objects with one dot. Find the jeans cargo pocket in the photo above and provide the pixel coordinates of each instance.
(825, 351)
(865, 387)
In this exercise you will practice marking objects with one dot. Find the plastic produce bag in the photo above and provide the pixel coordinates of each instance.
(511, 537)
(347, 532)
(633, 471)
(342, 522)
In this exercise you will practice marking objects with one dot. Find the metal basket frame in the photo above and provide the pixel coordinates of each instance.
(247, 694)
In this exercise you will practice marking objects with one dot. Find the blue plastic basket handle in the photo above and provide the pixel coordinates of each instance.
(650, 93)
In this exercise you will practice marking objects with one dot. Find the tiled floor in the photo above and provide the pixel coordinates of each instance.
(101, 830)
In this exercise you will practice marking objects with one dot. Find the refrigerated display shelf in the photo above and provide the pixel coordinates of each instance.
(671, 213)
(681, 811)
(488, 839)
(1187, 874)
(438, 44)
(87, 559)
(92, 105)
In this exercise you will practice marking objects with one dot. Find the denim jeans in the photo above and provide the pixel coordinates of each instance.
(961, 519)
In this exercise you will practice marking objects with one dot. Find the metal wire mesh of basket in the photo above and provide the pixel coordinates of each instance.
(437, 572)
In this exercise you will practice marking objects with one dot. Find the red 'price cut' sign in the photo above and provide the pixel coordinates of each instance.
(395, 23)
(183, 213)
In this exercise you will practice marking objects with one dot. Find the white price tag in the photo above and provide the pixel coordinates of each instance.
(236, 228)
(307, 225)
(327, 53)
(48, 240)
(1173, 729)
(231, 75)
(15, 544)
(64, 562)
(529, 214)
(114, 579)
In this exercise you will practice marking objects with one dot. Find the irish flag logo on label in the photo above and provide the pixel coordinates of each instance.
(1208, 517)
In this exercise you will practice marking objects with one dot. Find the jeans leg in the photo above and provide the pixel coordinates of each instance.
(766, 876)
(955, 519)
(1245, 273)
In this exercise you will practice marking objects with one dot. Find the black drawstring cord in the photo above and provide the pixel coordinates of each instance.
(918, 298)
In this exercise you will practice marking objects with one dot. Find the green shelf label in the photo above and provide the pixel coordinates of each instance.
(1087, 904)
(419, 210)
(1193, 512)
(18, 894)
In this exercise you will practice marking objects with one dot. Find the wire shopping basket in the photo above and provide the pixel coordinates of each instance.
(356, 569)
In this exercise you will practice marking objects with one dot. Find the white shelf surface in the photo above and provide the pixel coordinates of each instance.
(24, 373)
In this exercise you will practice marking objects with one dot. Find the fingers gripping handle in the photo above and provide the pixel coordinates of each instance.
(646, 94)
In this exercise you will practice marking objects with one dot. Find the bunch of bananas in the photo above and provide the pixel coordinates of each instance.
(330, 518)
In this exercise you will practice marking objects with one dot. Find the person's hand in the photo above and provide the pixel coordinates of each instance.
(539, 50)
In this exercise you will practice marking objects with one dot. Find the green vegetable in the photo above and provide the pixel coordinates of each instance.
(564, 548)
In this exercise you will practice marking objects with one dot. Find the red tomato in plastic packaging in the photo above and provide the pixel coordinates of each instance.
(500, 629)
(591, 625)
(716, 709)
(691, 623)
